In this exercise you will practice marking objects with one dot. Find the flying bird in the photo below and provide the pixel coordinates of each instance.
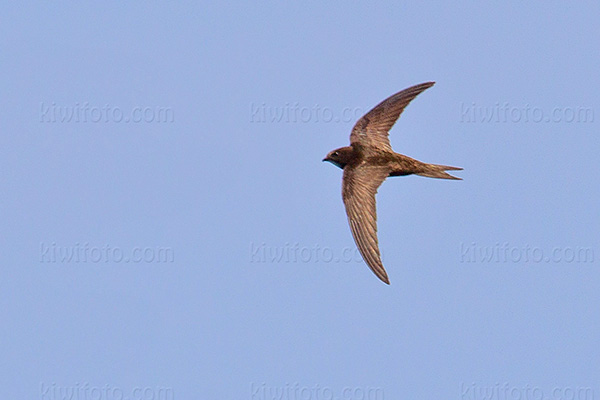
(368, 161)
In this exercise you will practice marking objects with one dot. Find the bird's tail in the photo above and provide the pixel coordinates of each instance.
(438, 171)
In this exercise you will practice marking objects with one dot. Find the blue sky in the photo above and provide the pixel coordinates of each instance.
(169, 228)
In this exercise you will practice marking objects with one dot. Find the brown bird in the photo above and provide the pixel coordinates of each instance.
(367, 162)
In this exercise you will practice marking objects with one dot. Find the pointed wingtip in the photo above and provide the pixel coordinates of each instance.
(422, 86)
(384, 278)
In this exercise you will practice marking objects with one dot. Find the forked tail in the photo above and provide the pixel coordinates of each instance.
(438, 171)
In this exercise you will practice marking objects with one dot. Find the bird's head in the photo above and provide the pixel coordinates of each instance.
(340, 157)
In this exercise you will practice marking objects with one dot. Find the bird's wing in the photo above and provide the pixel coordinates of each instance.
(358, 191)
(372, 129)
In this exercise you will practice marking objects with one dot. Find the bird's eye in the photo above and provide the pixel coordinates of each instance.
(335, 154)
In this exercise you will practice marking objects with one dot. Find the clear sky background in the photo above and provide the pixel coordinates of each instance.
(224, 185)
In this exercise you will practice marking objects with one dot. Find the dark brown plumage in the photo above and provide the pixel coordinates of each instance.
(367, 162)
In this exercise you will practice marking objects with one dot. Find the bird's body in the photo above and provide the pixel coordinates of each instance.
(367, 162)
(398, 164)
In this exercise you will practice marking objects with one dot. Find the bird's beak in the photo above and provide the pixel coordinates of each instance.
(325, 159)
